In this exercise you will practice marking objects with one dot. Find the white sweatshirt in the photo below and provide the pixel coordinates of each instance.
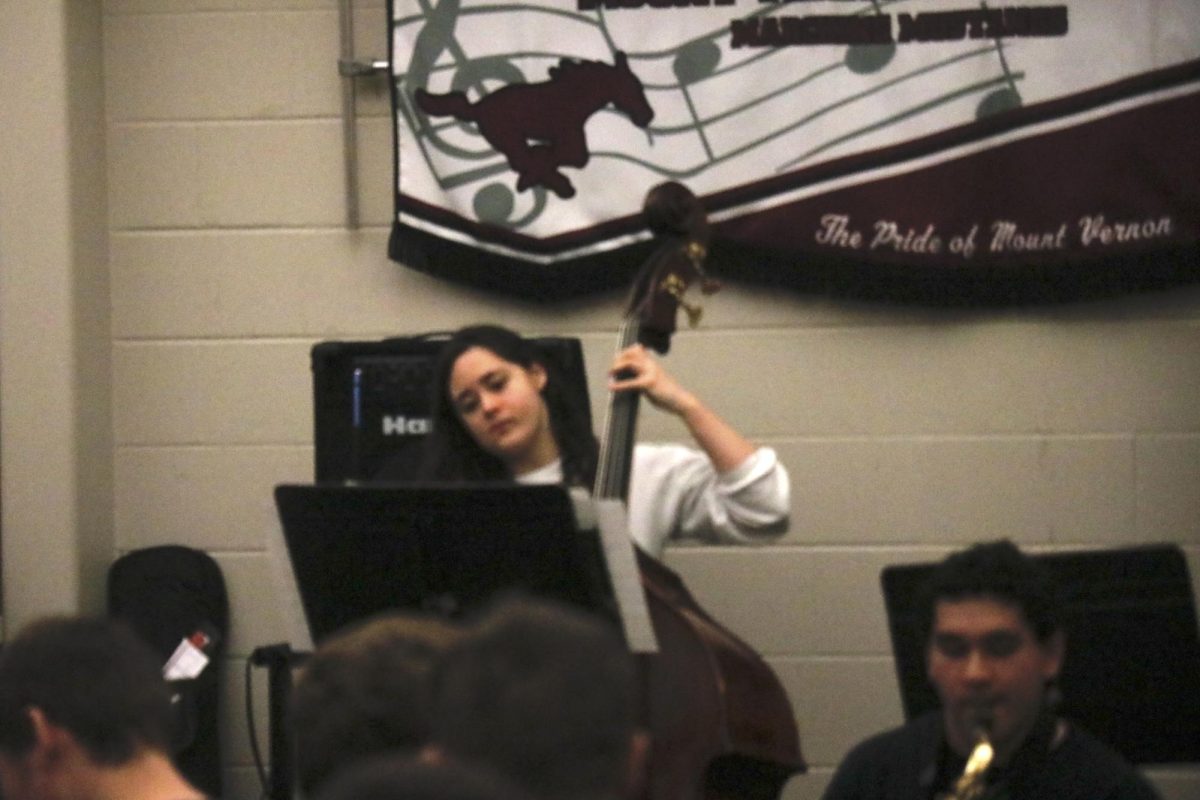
(675, 492)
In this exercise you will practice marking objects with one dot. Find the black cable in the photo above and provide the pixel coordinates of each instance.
(258, 762)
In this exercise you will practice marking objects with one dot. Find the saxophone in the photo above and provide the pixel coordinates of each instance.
(970, 785)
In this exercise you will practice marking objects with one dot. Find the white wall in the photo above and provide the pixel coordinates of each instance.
(55, 416)
(907, 432)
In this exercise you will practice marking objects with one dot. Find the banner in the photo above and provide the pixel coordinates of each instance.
(932, 150)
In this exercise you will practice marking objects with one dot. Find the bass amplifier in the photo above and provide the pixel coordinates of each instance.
(372, 402)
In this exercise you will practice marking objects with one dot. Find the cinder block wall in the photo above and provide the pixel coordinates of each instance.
(907, 432)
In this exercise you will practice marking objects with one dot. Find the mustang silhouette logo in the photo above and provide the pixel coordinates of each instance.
(539, 126)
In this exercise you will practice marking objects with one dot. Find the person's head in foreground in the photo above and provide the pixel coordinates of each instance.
(366, 690)
(85, 714)
(545, 695)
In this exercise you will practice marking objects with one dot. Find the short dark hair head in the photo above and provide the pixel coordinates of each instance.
(996, 570)
(399, 776)
(544, 694)
(451, 453)
(366, 690)
(91, 676)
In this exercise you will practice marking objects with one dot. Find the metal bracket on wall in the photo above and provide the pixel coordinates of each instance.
(350, 70)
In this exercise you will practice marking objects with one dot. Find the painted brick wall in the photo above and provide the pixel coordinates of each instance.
(907, 432)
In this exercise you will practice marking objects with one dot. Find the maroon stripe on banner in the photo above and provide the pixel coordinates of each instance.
(1122, 183)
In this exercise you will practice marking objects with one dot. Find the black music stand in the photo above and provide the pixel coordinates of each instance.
(356, 551)
(1131, 674)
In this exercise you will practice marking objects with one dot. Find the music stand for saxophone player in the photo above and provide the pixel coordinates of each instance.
(1131, 674)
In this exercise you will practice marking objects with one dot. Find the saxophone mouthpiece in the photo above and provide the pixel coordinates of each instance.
(972, 783)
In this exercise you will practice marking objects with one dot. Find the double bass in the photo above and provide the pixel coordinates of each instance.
(720, 722)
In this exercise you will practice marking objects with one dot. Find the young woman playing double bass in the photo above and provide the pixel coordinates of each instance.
(719, 718)
(501, 414)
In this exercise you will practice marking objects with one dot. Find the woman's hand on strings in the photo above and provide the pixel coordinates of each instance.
(635, 369)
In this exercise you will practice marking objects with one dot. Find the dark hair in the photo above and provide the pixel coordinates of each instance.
(452, 455)
(670, 209)
(399, 776)
(997, 570)
(543, 693)
(92, 676)
(365, 691)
